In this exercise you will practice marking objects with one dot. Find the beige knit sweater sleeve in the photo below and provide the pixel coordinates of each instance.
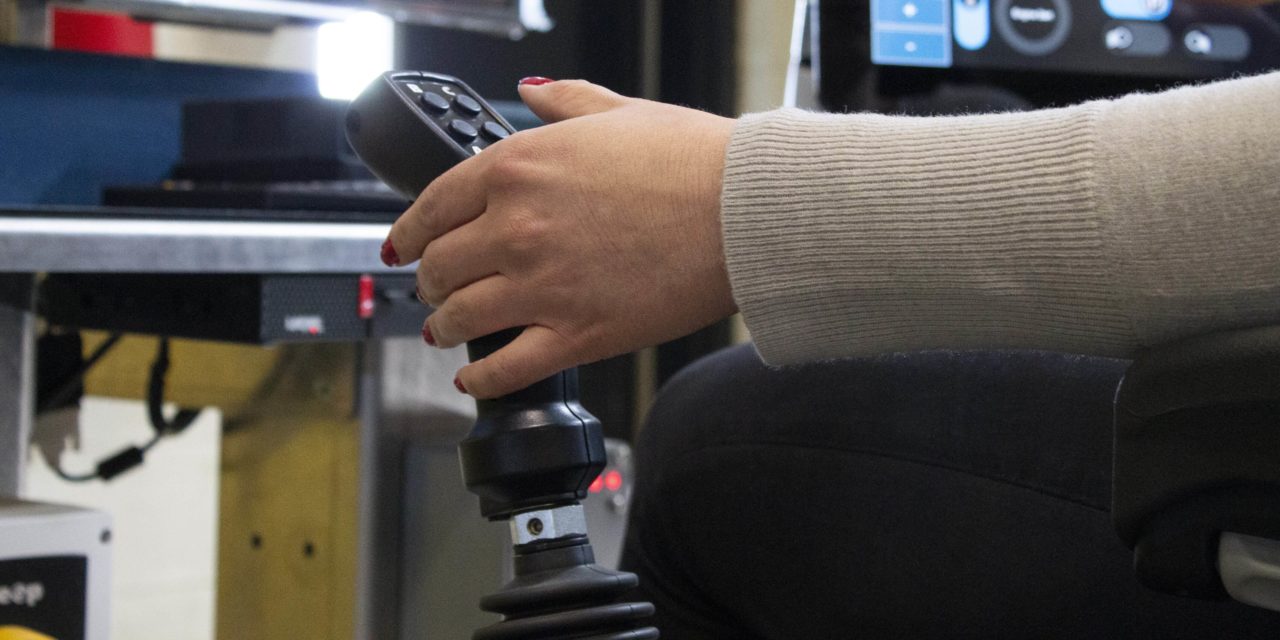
(1097, 228)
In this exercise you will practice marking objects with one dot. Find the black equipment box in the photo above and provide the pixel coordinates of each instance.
(244, 308)
(287, 139)
(372, 200)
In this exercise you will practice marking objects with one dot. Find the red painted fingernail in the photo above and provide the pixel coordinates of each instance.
(389, 256)
(535, 80)
(426, 335)
(458, 385)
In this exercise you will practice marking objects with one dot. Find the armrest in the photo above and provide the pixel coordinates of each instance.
(1223, 368)
(1197, 453)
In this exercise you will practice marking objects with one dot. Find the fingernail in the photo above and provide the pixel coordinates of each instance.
(458, 385)
(418, 293)
(426, 335)
(389, 256)
(535, 81)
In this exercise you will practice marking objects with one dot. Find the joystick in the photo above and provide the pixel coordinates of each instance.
(532, 454)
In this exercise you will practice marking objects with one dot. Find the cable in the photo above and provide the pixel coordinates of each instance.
(71, 385)
(131, 457)
(80, 477)
(155, 397)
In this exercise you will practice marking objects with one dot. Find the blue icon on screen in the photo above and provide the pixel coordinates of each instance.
(915, 49)
(971, 21)
(1138, 9)
(908, 12)
(914, 33)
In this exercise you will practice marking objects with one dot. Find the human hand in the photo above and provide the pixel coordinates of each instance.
(599, 233)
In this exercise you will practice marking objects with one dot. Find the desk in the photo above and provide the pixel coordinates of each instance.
(73, 240)
(102, 240)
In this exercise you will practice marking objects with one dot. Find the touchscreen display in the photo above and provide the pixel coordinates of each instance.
(1170, 38)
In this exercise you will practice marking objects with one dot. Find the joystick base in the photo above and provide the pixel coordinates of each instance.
(559, 592)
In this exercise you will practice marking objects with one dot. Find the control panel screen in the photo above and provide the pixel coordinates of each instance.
(1166, 38)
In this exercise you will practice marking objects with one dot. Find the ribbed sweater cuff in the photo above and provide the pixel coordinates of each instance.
(859, 234)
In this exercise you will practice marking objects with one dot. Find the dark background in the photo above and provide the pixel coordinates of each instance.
(76, 122)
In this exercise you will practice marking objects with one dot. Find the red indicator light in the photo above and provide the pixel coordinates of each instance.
(314, 330)
(613, 480)
(365, 298)
(596, 485)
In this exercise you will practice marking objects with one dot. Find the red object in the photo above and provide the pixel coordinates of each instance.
(100, 32)
(365, 297)
(426, 335)
(458, 385)
(389, 256)
(535, 80)
(613, 480)
(596, 485)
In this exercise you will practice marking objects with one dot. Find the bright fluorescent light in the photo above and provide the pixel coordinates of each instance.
(351, 53)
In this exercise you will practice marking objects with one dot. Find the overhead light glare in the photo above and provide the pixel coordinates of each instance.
(350, 53)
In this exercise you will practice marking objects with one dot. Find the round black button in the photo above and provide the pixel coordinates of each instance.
(1033, 27)
(466, 104)
(435, 102)
(494, 131)
(462, 130)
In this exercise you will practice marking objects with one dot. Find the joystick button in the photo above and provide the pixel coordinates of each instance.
(466, 104)
(462, 130)
(434, 102)
(494, 131)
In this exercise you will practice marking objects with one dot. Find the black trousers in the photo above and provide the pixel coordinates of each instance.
(937, 495)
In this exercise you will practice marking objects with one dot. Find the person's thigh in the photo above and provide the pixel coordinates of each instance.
(934, 495)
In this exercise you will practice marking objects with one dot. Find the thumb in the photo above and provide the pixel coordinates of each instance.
(556, 100)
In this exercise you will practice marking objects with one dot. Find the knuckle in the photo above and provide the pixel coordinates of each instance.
(423, 220)
(510, 165)
(498, 376)
(520, 145)
(458, 313)
(430, 194)
(442, 329)
(579, 96)
(432, 257)
(561, 89)
(429, 276)
(434, 299)
(570, 92)
(523, 231)
(433, 296)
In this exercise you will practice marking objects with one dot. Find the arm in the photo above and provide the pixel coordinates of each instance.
(623, 223)
(1095, 229)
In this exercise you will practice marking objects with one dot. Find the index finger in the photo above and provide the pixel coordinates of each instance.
(450, 201)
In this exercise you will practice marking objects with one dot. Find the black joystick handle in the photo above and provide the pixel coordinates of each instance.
(535, 447)
(532, 453)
